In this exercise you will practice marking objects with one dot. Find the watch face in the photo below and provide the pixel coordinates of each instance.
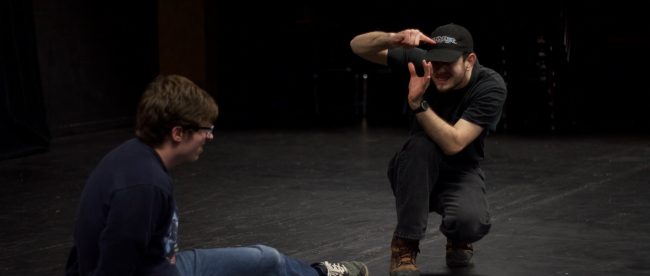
(423, 107)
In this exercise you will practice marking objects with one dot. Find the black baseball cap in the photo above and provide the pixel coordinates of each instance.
(452, 41)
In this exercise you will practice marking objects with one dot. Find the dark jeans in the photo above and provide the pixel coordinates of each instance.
(423, 182)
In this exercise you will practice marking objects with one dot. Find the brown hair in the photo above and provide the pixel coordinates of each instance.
(169, 101)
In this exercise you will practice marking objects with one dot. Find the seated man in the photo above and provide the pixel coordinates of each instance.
(127, 219)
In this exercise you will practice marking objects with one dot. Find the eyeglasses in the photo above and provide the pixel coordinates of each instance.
(208, 130)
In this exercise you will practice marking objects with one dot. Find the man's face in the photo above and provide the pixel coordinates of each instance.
(450, 75)
(191, 146)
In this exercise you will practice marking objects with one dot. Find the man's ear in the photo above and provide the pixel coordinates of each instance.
(471, 60)
(177, 134)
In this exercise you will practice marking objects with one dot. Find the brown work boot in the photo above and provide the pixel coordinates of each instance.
(459, 254)
(402, 259)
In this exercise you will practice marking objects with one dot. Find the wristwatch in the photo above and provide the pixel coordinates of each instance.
(424, 105)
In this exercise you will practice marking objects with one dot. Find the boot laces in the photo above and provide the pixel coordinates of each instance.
(407, 255)
(335, 269)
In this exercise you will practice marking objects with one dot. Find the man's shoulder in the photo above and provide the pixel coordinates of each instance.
(131, 153)
(488, 76)
(488, 83)
(132, 163)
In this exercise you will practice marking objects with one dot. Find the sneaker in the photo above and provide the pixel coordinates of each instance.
(342, 268)
(402, 257)
(459, 254)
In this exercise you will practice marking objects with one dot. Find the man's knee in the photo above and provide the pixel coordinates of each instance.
(466, 226)
(421, 144)
(418, 149)
(419, 154)
(270, 260)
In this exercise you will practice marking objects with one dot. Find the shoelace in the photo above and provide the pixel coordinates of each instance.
(407, 255)
(334, 269)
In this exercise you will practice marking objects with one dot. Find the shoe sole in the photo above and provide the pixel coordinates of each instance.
(365, 271)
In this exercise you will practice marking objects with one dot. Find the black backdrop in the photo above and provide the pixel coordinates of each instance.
(78, 66)
(23, 126)
(571, 67)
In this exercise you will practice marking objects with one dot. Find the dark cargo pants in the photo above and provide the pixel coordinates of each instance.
(423, 182)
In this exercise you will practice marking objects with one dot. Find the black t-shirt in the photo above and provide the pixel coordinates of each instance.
(479, 102)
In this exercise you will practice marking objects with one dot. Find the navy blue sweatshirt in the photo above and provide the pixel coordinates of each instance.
(127, 220)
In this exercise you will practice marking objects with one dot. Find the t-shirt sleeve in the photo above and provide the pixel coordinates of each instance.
(399, 57)
(486, 107)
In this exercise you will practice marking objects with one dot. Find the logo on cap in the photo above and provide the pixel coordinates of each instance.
(445, 39)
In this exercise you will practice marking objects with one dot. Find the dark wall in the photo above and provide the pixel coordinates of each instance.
(22, 111)
(294, 67)
(95, 59)
(181, 39)
(72, 67)
(610, 90)
(79, 66)
(587, 74)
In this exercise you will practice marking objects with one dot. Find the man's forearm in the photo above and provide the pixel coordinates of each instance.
(442, 133)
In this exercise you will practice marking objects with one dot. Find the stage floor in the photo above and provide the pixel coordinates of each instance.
(560, 205)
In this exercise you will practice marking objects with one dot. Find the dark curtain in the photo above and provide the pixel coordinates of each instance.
(22, 112)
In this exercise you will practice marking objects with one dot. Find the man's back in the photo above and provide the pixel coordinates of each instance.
(124, 213)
